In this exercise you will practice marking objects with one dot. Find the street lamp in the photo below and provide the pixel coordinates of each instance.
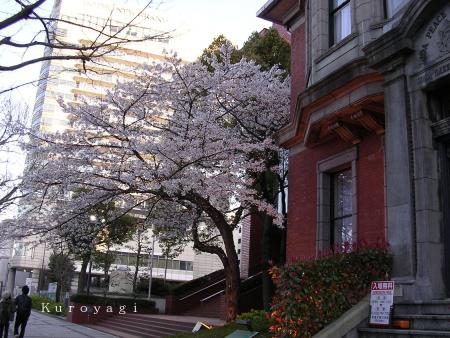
(93, 219)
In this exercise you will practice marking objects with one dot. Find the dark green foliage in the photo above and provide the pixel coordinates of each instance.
(61, 270)
(311, 294)
(214, 49)
(159, 288)
(120, 230)
(52, 306)
(103, 259)
(259, 320)
(268, 49)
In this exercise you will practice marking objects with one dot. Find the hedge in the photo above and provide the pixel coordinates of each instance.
(159, 288)
(38, 301)
(311, 294)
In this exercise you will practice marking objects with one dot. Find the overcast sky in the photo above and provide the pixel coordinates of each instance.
(194, 22)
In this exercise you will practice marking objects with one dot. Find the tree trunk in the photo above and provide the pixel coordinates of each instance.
(229, 258)
(82, 275)
(106, 266)
(58, 292)
(136, 270)
(267, 182)
(232, 274)
(165, 270)
(284, 229)
(267, 285)
(232, 289)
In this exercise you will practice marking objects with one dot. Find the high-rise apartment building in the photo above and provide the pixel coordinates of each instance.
(81, 23)
(71, 80)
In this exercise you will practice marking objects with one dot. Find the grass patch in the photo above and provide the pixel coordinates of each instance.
(218, 332)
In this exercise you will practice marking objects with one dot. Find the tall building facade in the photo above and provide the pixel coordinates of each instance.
(368, 138)
(71, 80)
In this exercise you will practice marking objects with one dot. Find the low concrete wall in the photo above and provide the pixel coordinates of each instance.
(346, 325)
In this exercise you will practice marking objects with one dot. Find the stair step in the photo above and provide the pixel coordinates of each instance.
(437, 307)
(113, 332)
(134, 331)
(427, 322)
(154, 322)
(158, 319)
(395, 333)
(152, 330)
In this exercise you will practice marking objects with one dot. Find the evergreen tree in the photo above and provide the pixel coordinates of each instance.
(61, 270)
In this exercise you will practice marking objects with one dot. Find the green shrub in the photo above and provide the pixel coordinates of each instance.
(41, 304)
(311, 294)
(158, 286)
(259, 319)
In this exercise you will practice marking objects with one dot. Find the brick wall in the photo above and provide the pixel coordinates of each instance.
(302, 204)
(212, 308)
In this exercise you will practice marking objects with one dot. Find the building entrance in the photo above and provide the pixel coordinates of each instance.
(440, 113)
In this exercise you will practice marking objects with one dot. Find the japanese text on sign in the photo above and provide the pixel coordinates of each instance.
(381, 300)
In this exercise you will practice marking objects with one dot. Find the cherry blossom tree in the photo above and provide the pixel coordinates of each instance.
(13, 119)
(178, 134)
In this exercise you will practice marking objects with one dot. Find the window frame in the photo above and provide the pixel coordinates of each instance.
(331, 12)
(325, 168)
(333, 219)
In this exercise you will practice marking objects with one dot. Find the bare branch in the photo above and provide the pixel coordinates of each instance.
(22, 15)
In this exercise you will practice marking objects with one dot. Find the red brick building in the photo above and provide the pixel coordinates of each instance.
(369, 131)
(336, 148)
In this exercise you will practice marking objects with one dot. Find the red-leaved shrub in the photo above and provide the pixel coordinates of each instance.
(310, 294)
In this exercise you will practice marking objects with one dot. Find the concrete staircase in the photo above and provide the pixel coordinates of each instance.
(426, 320)
(142, 326)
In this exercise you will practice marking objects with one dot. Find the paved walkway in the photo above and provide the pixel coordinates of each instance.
(44, 326)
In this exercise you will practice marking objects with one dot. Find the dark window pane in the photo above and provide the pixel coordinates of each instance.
(342, 208)
(162, 263)
(342, 194)
(393, 6)
(176, 265)
(343, 231)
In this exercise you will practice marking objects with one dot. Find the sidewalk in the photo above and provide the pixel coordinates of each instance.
(44, 326)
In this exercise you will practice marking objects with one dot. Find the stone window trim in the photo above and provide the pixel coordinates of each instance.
(336, 47)
(337, 162)
(332, 10)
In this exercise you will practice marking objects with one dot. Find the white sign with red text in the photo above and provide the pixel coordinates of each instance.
(381, 301)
